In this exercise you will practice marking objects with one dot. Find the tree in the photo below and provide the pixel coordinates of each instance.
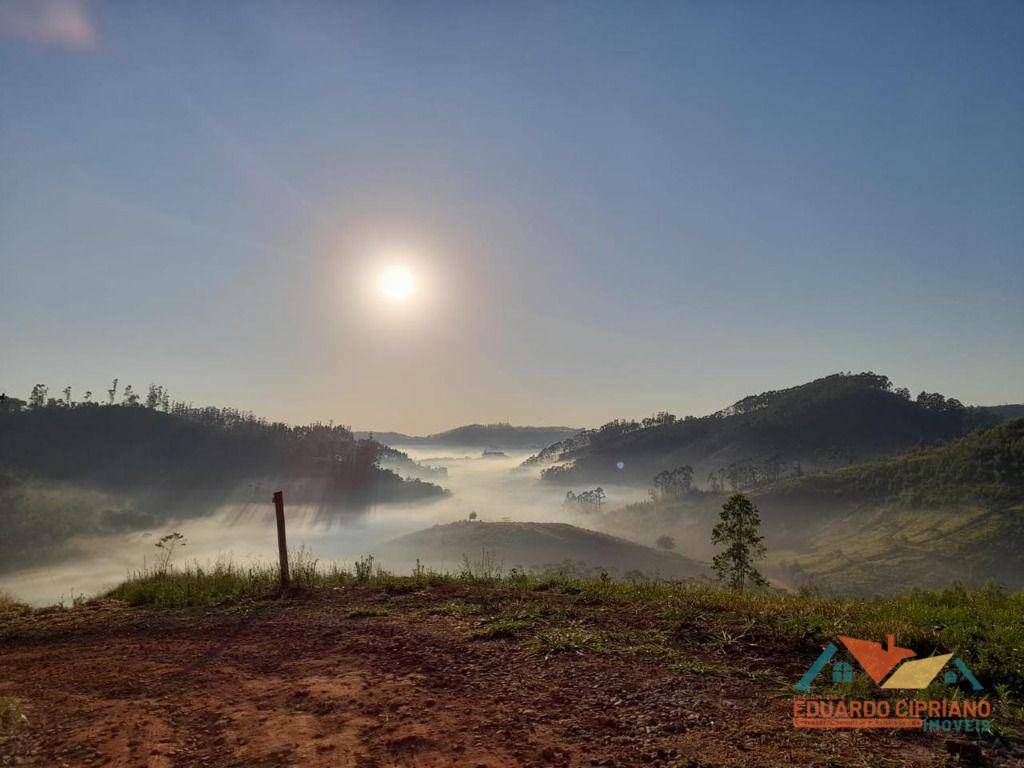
(738, 529)
(666, 543)
(932, 400)
(586, 501)
(38, 397)
(741, 474)
(154, 396)
(659, 419)
(672, 484)
(130, 397)
(772, 468)
(112, 392)
(472, 515)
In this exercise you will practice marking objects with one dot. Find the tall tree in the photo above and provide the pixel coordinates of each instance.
(130, 396)
(38, 397)
(673, 484)
(739, 530)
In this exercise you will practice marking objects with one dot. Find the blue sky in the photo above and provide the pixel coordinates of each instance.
(609, 209)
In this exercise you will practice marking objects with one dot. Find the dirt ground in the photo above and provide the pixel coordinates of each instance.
(357, 677)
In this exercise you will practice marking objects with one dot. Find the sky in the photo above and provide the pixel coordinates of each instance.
(605, 209)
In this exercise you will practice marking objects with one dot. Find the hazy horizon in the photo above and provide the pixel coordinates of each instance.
(593, 213)
(765, 255)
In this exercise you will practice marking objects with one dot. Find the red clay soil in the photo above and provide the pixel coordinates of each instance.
(315, 681)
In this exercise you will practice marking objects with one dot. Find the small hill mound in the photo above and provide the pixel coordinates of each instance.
(536, 545)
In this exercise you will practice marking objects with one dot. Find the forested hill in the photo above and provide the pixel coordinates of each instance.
(170, 445)
(831, 422)
(503, 436)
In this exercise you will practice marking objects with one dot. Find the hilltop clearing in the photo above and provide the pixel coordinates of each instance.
(435, 672)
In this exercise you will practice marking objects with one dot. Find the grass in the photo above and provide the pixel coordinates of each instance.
(983, 626)
(564, 640)
(500, 629)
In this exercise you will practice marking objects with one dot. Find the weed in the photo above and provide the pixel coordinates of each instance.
(502, 629)
(566, 640)
(453, 608)
(11, 715)
(487, 568)
(167, 545)
(364, 569)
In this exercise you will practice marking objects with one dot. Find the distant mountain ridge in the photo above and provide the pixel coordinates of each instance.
(830, 422)
(479, 436)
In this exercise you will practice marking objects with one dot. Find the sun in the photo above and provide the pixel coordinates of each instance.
(396, 283)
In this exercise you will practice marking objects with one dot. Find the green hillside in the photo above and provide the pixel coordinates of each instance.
(927, 516)
(834, 421)
(924, 518)
(986, 467)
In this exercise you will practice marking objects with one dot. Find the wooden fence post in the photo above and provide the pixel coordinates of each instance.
(282, 542)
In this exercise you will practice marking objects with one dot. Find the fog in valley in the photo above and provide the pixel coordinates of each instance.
(243, 532)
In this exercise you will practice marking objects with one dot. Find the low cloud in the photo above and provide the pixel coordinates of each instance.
(62, 23)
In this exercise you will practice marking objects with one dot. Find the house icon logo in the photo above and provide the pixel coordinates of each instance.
(889, 666)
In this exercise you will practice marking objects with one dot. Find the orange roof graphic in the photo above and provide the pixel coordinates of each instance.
(876, 660)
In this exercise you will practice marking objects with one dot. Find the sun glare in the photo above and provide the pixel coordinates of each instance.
(396, 283)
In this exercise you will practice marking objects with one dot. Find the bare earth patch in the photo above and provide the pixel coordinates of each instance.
(357, 677)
